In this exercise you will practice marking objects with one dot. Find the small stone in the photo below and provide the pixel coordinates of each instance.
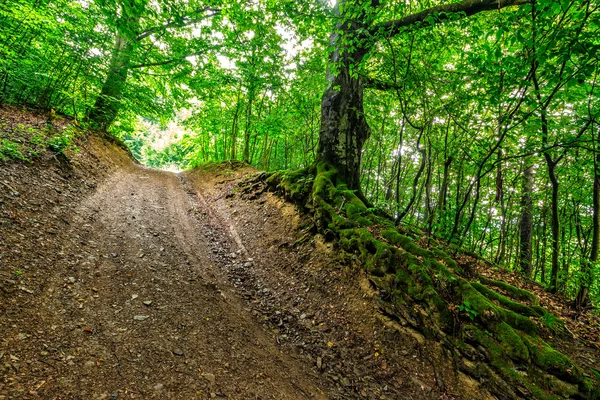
(303, 316)
(147, 303)
(141, 317)
(43, 353)
(134, 296)
(319, 362)
(178, 352)
(89, 364)
(158, 387)
(210, 378)
(247, 264)
(71, 279)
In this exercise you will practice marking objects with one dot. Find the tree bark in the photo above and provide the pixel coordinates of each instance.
(526, 222)
(108, 101)
(344, 128)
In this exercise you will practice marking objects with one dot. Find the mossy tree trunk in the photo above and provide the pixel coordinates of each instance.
(344, 128)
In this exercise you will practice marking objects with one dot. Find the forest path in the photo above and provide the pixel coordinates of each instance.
(145, 313)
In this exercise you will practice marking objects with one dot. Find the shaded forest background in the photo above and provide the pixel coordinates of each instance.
(484, 131)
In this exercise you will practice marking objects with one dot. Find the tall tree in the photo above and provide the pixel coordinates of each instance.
(344, 128)
(139, 43)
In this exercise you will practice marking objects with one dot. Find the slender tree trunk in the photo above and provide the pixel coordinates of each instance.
(246, 153)
(587, 279)
(423, 153)
(554, 224)
(234, 125)
(526, 222)
(544, 247)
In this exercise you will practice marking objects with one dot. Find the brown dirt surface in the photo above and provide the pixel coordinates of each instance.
(126, 302)
(118, 281)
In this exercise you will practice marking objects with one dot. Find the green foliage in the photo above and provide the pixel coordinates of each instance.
(63, 141)
(11, 150)
(466, 308)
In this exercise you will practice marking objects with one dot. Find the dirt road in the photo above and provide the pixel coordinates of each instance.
(135, 308)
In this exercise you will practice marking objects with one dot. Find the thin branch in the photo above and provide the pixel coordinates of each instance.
(186, 21)
(167, 61)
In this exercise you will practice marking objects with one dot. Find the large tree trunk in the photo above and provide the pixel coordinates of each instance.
(344, 129)
(108, 101)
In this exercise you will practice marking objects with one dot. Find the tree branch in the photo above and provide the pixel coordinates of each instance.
(443, 13)
(186, 21)
(167, 61)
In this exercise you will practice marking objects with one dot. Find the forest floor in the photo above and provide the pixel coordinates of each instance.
(118, 281)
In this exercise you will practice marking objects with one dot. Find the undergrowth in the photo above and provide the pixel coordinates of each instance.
(22, 143)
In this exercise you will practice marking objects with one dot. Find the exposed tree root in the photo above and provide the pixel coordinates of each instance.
(492, 328)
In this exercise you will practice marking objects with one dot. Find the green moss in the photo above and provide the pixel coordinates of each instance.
(511, 342)
(396, 238)
(513, 291)
(502, 364)
(421, 283)
(506, 302)
(448, 260)
(552, 361)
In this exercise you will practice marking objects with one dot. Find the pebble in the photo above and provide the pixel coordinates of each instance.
(210, 378)
(147, 303)
(141, 317)
(158, 387)
(71, 279)
(319, 362)
(178, 352)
